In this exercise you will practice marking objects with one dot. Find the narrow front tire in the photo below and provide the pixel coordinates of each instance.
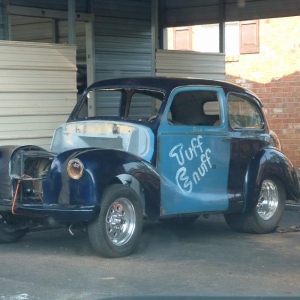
(116, 231)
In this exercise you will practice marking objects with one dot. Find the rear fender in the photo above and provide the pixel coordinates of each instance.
(266, 163)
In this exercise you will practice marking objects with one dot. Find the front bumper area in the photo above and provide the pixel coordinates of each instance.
(59, 212)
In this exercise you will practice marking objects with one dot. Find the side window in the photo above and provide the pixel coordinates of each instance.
(144, 106)
(107, 102)
(243, 114)
(140, 106)
(195, 108)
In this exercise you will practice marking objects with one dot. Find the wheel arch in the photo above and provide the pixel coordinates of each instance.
(269, 163)
(113, 166)
(148, 194)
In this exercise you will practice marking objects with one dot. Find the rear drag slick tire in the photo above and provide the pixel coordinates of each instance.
(266, 215)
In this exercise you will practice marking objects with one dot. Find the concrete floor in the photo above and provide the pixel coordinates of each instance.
(207, 258)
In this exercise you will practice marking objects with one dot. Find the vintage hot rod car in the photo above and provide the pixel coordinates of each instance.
(167, 149)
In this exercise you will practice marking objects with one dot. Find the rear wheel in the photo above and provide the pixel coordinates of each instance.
(116, 231)
(9, 232)
(266, 215)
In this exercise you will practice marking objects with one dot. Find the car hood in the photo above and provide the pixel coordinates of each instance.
(126, 136)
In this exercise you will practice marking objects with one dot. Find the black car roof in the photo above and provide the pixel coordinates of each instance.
(163, 83)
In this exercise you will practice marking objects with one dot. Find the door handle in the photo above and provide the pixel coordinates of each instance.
(226, 139)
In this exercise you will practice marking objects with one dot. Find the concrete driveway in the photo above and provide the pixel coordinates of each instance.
(207, 258)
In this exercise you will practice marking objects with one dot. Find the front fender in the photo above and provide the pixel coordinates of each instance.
(102, 167)
(269, 162)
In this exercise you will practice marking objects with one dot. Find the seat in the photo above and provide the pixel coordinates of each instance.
(187, 109)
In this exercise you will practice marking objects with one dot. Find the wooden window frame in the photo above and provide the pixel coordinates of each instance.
(189, 32)
(249, 37)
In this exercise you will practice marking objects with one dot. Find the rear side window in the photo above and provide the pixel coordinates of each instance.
(243, 113)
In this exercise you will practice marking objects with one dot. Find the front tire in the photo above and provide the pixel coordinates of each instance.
(266, 215)
(9, 232)
(116, 231)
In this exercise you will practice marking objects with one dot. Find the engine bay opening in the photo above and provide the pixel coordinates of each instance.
(28, 169)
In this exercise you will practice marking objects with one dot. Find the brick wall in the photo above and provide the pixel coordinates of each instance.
(274, 75)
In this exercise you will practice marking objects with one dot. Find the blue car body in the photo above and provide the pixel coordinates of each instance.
(179, 168)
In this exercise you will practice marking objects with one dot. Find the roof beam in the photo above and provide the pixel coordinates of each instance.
(45, 13)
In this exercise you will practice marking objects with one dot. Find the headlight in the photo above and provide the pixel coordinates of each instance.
(75, 168)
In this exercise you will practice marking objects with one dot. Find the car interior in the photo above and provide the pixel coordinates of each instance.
(200, 108)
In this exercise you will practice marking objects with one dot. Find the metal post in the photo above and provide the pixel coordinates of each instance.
(90, 66)
(222, 26)
(154, 42)
(154, 35)
(55, 31)
(71, 22)
(162, 32)
(6, 22)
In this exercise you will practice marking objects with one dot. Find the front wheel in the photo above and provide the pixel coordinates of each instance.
(116, 231)
(9, 232)
(266, 215)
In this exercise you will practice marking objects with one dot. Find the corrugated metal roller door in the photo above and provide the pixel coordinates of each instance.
(122, 40)
(195, 12)
(190, 64)
(37, 90)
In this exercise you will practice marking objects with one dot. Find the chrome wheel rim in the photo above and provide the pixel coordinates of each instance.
(120, 221)
(268, 200)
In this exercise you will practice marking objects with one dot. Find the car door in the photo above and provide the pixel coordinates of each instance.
(193, 151)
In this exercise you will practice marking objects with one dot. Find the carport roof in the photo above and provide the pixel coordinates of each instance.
(174, 12)
(195, 12)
